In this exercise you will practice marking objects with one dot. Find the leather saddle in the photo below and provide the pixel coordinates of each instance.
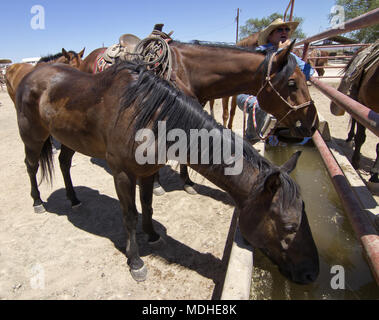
(123, 49)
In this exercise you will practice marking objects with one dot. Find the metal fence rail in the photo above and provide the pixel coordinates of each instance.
(363, 229)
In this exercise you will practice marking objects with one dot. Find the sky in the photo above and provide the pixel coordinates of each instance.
(75, 24)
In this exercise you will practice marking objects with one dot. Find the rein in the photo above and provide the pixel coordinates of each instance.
(292, 108)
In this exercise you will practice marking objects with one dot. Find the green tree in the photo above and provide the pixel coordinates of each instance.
(355, 8)
(254, 25)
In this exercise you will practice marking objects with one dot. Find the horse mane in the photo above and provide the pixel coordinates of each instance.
(155, 98)
(351, 61)
(52, 57)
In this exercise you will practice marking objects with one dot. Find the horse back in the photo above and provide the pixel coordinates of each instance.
(71, 105)
(15, 73)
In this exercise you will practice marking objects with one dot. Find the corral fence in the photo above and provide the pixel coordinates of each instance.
(362, 225)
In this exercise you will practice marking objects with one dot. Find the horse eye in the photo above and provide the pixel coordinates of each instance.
(290, 228)
(291, 83)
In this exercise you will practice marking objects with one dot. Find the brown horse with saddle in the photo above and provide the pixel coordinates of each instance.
(361, 83)
(211, 71)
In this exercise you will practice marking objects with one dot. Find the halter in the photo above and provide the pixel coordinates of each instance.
(291, 107)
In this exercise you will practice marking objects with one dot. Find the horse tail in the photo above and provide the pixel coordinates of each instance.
(46, 162)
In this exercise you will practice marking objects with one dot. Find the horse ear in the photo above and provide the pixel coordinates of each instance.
(291, 163)
(282, 56)
(272, 183)
(64, 52)
(81, 53)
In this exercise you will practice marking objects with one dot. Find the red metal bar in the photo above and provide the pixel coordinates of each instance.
(365, 20)
(326, 77)
(292, 7)
(285, 12)
(359, 112)
(305, 51)
(330, 57)
(362, 226)
(341, 45)
(329, 67)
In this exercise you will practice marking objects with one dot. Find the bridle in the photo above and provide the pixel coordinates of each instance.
(292, 108)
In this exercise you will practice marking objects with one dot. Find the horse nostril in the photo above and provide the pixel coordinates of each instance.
(310, 277)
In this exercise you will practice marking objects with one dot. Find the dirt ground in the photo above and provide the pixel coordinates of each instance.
(79, 254)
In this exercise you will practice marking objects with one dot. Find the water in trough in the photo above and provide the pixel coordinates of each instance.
(333, 234)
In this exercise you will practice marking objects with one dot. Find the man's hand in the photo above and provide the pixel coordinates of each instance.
(284, 44)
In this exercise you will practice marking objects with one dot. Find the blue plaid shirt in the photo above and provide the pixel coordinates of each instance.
(305, 67)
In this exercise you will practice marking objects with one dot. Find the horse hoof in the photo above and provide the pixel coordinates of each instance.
(139, 275)
(159, 191)
(373, 187)
(157, 243)
(39, 209)
(189, 189)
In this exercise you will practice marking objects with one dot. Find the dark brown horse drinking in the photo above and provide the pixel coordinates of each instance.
(117, 114)
(207, 72)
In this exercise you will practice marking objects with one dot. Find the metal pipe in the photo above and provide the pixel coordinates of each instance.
(342, 45)
(292, 7)
(330, 57)
(365, 20)
(358, 111)
(329, 67)
(328, 77)
(362, 226)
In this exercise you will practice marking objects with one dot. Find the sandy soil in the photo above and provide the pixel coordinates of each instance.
(79, 254)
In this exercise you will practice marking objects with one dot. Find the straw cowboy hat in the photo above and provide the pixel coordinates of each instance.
(262, 39)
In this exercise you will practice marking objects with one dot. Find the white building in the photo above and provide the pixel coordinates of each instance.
(32, 61)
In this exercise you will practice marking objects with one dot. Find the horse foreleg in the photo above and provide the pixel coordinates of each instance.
(233, 106)
(65, 159)
(146, 197)
(188, 183)
(359, 139)
(126, 187)
(225, 110)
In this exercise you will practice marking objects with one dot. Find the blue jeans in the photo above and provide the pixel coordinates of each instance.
(260, 115)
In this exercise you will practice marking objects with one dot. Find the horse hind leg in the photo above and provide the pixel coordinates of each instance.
(351, 133)
(225, 110)
(233, 106)
(65, 159)
(34, 156)
(359, 139)
(373, 182)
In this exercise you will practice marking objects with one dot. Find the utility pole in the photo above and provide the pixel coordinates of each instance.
(237, 19)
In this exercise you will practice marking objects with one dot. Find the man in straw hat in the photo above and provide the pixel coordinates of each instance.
(273, 38)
